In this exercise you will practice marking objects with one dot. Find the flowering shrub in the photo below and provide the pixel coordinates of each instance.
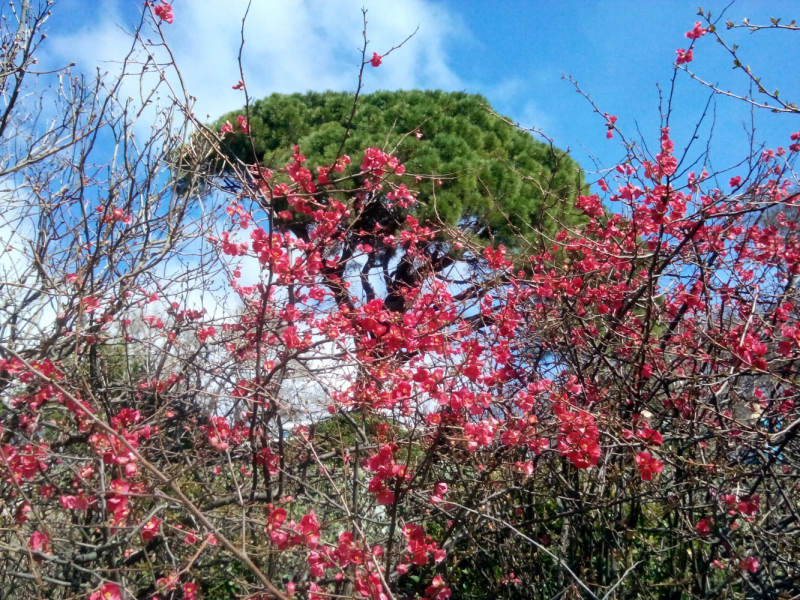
(244, 402)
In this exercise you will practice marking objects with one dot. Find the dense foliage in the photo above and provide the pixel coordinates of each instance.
(470, 167)
(205, 398)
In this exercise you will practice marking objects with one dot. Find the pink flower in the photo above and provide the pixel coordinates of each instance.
(525, 467)
(750, 564)
(109, 591)
(190, 591)
(795, 147)
(309, 523)
(610, 120)
(243, 124)
(438, 493)
(684, 56)
(167, 583)
(735, 181)
(39, 542)
(227, 128)
(749, 505)
(697, 32)
(376, 59)
(279, 538)
(90, 304)
(164, 12)
(276, 518)
(703, 527)
(74, 502)
(578, 437)
(648, 466)
(150, 529)
(437, 589)
(206, 333)
(652, 435)
(385, 497)
(22, 513)
(239, 86)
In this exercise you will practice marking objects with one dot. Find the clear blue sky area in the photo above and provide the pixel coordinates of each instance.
(618, 51)
(513, 52)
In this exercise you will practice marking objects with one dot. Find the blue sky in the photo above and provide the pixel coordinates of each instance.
(618, 52)
(513, 52)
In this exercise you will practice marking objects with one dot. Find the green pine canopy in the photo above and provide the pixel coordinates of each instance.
(496, 181)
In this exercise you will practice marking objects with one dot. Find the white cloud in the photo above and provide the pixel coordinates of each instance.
(533, 117)
(291, 46)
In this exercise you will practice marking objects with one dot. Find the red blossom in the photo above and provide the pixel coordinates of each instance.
(750, 564)
(703, 527)
(150, 529)
(667, 311)
(164, 12)
(39, 542)
(697, 32)
(648, 465)
(108, 591)
(684, 56)
(190, 591)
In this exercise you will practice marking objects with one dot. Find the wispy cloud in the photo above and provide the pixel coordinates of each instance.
(289, 46)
